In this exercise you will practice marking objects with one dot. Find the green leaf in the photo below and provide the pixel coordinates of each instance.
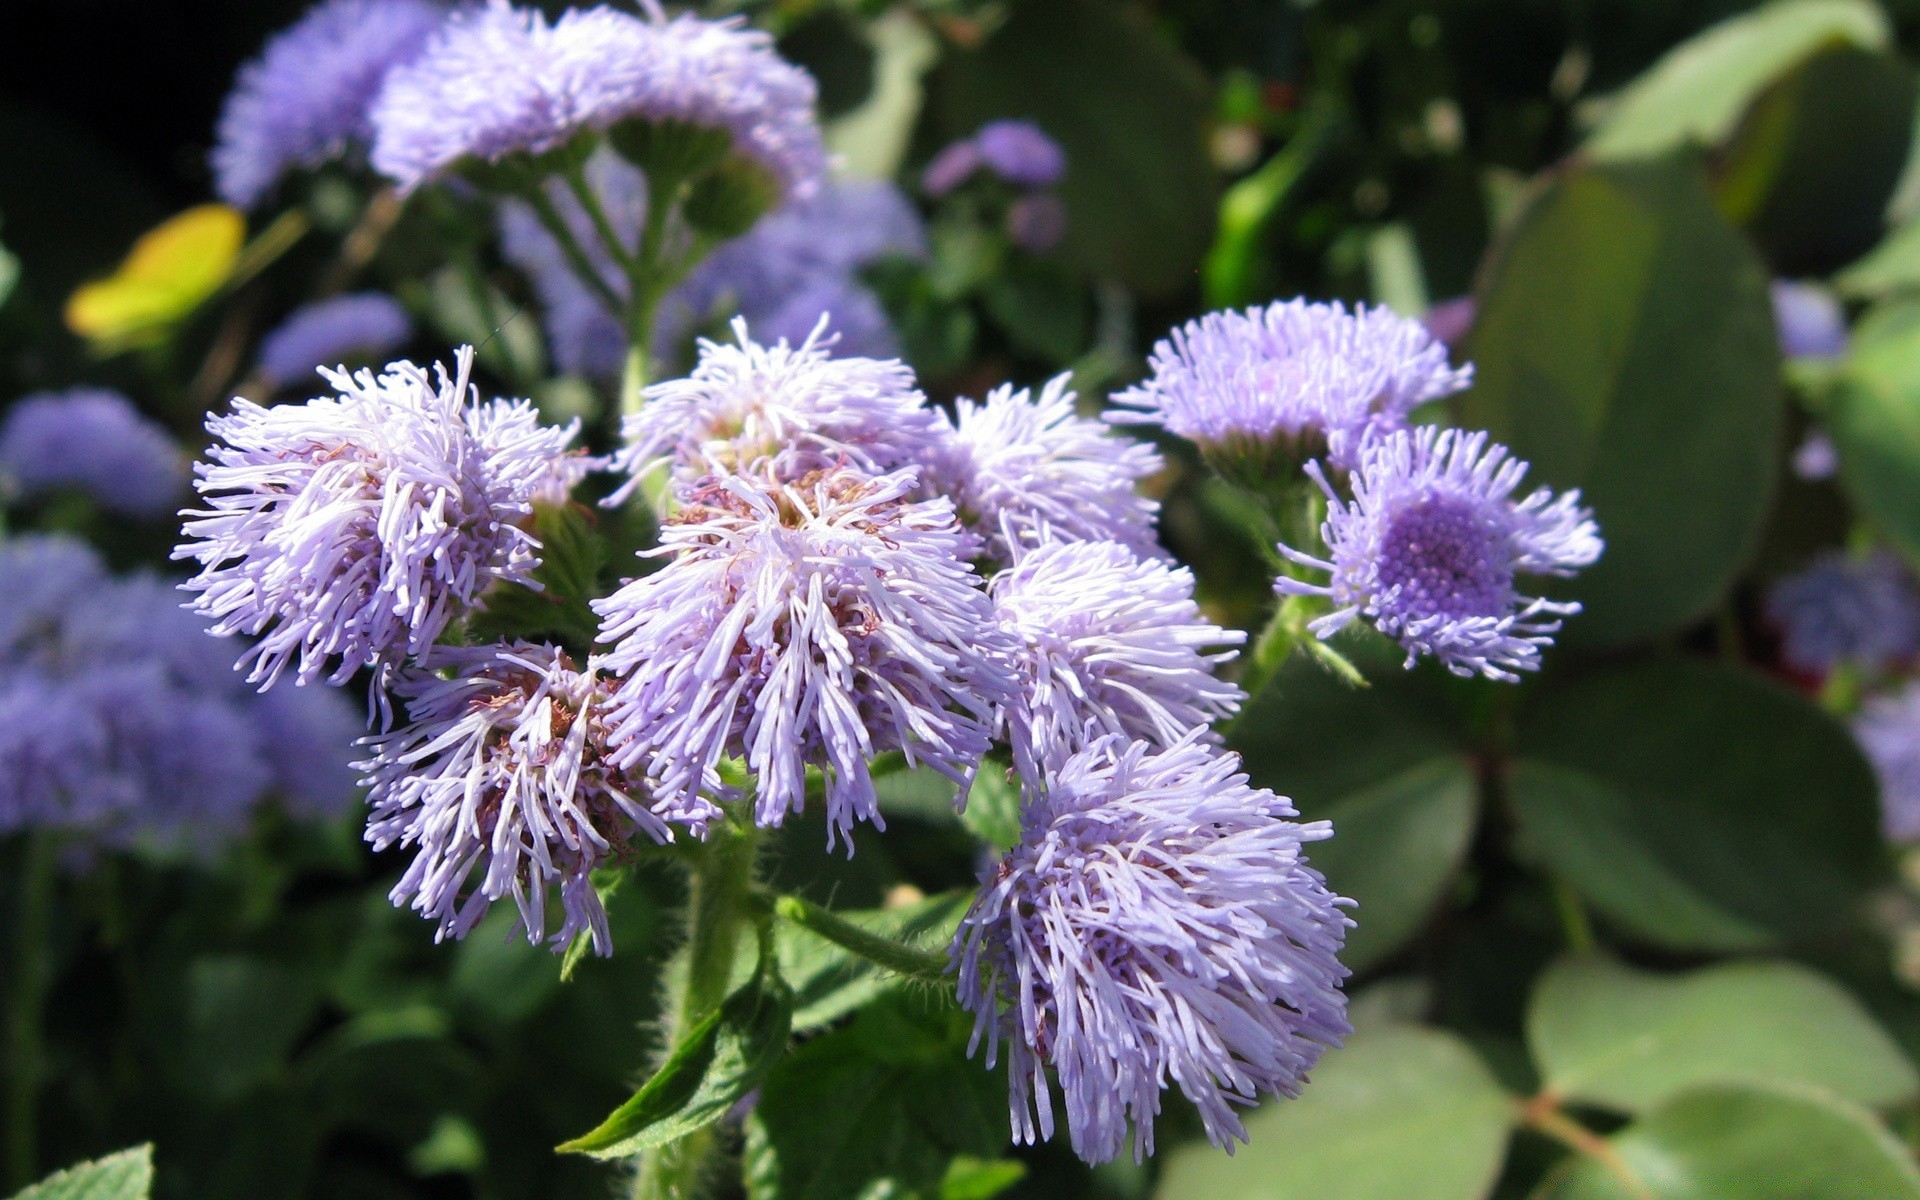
(1699, 90)
(1753, 1143)
(721, 1059)
(1874, 420)
(993, 806)
(571, 556)
(883, 1107)
(1890, 267)
(1400, 1111)
(1606, 1034)
(970, 1178)
(1131, 113)
(1395, 848)
(243, 1017)
(1675, 797)
(829, 982)
(127, 1175)
(1625, 346)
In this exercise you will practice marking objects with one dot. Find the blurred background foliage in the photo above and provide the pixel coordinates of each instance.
(1630, 929)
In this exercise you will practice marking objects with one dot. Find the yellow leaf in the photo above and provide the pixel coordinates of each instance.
(170, 271)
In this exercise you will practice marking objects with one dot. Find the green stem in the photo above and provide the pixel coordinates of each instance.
(895, 956)
(1574, 922)
(576, 256)
(576, 177)
(26, 1011)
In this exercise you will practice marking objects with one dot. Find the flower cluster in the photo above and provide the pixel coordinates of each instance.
(1840, 610)
(1020, 155)
(93, 441)
(361, 328)
(120, 720)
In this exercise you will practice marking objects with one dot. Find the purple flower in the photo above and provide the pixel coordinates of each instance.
(308, 734)
(950, 168)
(1844, 609)
(1429, 547)
(500, 81)
(94, 441)
(1809, 320)
(1888, 730)
(51, 746)
(783, 409)
(1109, 644)
(1157, 920)
(364, 326)
(1452, 320)
(814, 623)
(502, 770)
(1037, 222)
(1816, 458)
(351, 529)
(306, 99)
(1294, 376)
(47, 577)
(1018, 152)
(1022, 471)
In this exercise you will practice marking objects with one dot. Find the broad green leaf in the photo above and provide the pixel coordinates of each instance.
(171, 270)
(127, 1175)
(970, 1178)
(243, 1017)
(829, 982)
(1395, 848)
(1625, 345)
(883, 1107)
(1749, 1142)
(1400, 1111)
(1891, 267)
(1131, 113)
(1699, 90)
(571, 556)
(1606, 1034)
(1874, 419)
(721, 1059)
(1676, 798)
(993, 806)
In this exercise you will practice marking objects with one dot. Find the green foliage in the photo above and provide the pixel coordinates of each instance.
(830, 982)
(127, 1175)
(571, 558)
(1625, 346)
(1874, 416)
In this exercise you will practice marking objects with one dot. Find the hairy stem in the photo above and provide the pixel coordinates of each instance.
(26, 1011)
(895, 956)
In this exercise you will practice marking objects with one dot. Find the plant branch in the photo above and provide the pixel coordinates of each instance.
(895, 956)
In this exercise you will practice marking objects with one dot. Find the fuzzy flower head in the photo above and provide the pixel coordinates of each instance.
(362, 327)
(1810, 321)
(307, 98)
(1888, 730)
(1108, 644)
(349, 530)
(500, 782)
(783, 410)
(1840, 609)
(816, 623)
(93, 441)
(1021, 153)
(1023, 470)
(503, 81)
(1292, 379)
(1429, 548)
(1157, 920)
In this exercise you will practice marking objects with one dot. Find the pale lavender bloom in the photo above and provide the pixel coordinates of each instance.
(1023, 470)
(502, 770)
(1816, 458)
(362, 327)
(1888, 730)
(1037, 222)
(306, 99)
(307, 735)
(1839, 608)
(784, 410)
(1452, 320)
(950, 168)
(96, 442)
(1020, 153)
(501, 80)
(1293, 376)
(51, 745)
(349, 530)
(813, 623)
(1157, 921)
(46, 577)
(1809, 319)
(1109, 644)
(1429, 547)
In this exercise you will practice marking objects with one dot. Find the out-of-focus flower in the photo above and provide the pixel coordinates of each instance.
(1809, 319)
(814, 623)
(1888, 729)
(1816, 458)
(950, 168)
(1451, 321)
(349, 530)
(1429, 547)
(1158, 921)
(1037, 222)
(306, 99)
(502, 770)
(782, 410)
(344, 330)
(1294, 376)
(1022, 470)
(1840, 609)
(47, 577)
(1021, 153)
(94, 441)
(1109, 644)
(500, 81)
